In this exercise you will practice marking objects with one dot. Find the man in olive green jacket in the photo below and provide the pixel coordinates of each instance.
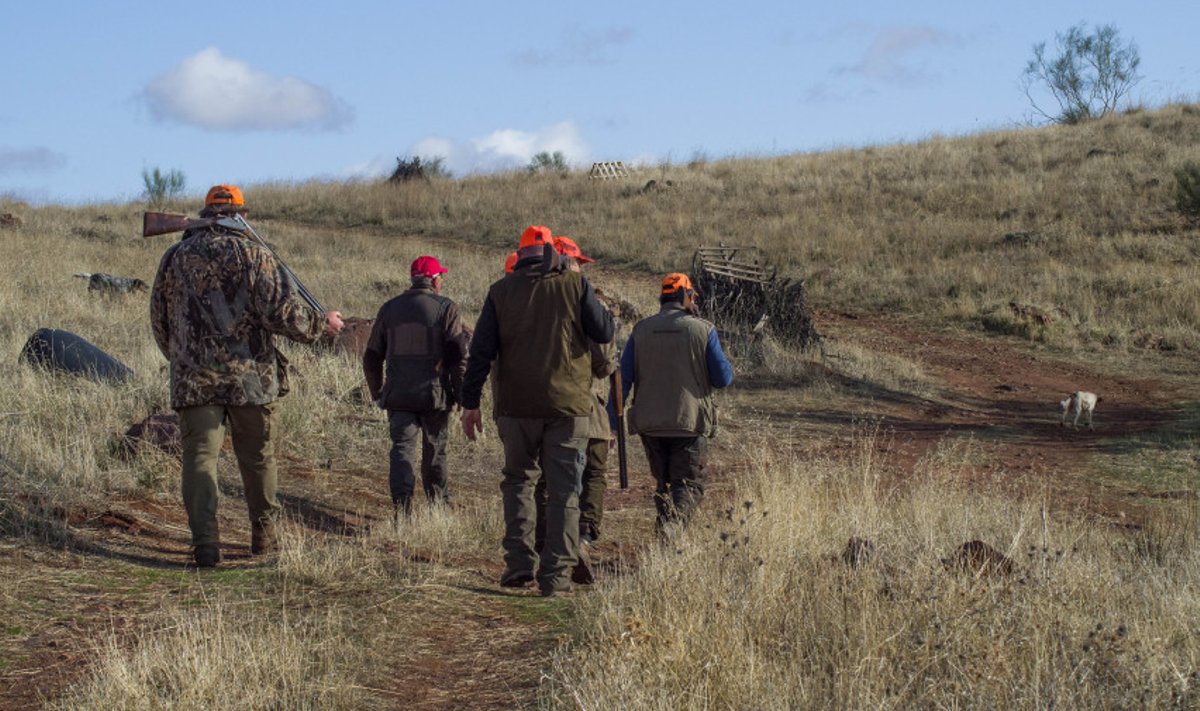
(535, 324)
(672, 362)
(218, 299)
(594, 481)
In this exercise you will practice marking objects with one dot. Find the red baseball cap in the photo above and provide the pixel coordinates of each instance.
(510, 262)
(427, 267)
(567, 248)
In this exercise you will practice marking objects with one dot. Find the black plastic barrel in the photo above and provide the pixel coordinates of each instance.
(65, 352)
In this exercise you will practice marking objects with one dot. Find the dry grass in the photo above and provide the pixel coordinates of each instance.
(220, 657)
(304, 633)
(917, 229)
(752, 607)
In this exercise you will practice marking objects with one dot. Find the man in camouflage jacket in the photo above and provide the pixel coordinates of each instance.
(218, 299)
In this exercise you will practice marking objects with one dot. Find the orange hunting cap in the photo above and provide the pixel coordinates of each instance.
(224, 195)
(536, 236)
(510, 262)
(672, 283)
(566, 247)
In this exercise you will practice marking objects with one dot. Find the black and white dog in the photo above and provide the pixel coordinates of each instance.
(110, 285)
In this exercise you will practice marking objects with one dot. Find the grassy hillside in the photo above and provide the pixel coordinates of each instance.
(1064, 237)
(917, 228)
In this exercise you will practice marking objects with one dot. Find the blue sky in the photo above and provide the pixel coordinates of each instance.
(247, 92)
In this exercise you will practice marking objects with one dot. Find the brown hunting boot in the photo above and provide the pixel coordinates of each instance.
(262, 538)
(582, 573)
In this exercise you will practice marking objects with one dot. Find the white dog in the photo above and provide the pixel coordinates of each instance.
(1079, 403)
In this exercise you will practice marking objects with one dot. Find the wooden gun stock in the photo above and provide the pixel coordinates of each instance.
(161, 223)
(618, 398)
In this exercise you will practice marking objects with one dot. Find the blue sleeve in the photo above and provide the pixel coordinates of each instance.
(720, 372)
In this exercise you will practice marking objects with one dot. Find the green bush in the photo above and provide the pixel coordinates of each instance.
(416, 168)
(161, 187)
(547, 162)
(1187, 189)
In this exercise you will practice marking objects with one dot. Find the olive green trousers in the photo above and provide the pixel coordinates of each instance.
(203, 432)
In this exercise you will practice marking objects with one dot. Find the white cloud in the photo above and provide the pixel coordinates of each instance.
(368, 169)
(506, 149)
(215, 92)
(888, 58)
(30, 160)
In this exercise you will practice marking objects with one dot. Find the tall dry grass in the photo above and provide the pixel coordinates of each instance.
(220, 657)
(917, 228)
(753, 608)
(315, 630)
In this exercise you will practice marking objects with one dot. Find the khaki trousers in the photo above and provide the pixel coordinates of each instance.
(558, 444)
(203, 432)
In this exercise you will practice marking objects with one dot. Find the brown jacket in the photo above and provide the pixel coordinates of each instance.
(536, 323)
(423, 342)
(604, 363)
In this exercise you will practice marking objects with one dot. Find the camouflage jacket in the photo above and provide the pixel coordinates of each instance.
(217, 299)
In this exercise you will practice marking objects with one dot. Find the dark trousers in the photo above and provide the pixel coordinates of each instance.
(534, 448)
(677, 464)
(591, 494)
(406, 428)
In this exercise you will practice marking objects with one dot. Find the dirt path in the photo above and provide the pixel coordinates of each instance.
(490, 646)
(1005, 395)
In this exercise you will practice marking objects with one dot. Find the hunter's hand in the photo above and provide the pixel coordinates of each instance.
(472, 423)
(333, 323)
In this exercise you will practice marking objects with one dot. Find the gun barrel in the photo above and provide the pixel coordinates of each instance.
(304, 292)
(618, 398)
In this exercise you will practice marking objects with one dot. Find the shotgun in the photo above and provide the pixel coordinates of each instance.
(618, 398)
(161, 223)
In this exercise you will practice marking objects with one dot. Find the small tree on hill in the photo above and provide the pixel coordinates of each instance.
(1087, 78)
(547, 162)
(161, 187)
